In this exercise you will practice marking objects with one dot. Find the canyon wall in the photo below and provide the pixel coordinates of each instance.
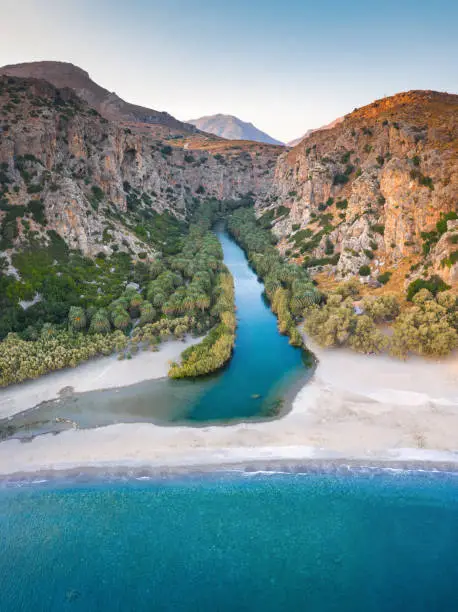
(370, 192)
(88, 173)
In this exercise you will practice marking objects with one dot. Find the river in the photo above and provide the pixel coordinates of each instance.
(260, 380)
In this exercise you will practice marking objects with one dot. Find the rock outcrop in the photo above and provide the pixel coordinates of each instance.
(65, 167)
(371, 191)
(108, 104)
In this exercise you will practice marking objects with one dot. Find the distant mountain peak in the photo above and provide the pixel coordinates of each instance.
(232, 128)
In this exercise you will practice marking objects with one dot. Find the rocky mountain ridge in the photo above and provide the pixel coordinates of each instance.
(67, 171)
(232, 128)
(108, 104)
(375, 195)
(328, 126)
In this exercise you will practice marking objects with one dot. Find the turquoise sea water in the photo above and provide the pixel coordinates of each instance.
(316, 542)
(263, 372)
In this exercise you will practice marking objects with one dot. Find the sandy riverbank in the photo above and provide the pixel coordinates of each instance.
(357, 407)
(101, 373)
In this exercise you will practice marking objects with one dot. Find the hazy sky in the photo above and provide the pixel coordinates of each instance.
(285, 65)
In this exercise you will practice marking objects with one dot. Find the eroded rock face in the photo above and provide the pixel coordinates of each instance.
(445, 263)
(89, 172)
(108, 104)
(373, 186)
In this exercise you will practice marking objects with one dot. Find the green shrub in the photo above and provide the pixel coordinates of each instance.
(428, 328)
(37, 210)
(364, 270)
(450, 260)
(382, 308)
(340, 179)
(384, 277)
(434, 285)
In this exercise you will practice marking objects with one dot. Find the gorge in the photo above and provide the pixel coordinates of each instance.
(303, 444)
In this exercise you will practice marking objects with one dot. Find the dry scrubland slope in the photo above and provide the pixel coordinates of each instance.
(367, 194)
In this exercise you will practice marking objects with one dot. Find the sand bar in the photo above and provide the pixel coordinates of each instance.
(100, 373)
(357, 407)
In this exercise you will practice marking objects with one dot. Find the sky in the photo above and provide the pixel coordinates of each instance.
(284, 65)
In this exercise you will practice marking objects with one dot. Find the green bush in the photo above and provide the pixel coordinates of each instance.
(378, 229)
(340, 179)
(450, 260)
(428, 328)
(434, 285)
(364, 270)
(384, 277)
(37, 210)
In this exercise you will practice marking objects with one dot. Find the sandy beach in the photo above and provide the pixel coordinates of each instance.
(100, 373)
(355, 407)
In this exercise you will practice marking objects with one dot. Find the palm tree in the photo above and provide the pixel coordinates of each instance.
(48, 330)
(156, 267)
(203, 301)
(77, 318)
(134, 305)
(147, 313)
(100, 323)
(121, 319)
(189, 302)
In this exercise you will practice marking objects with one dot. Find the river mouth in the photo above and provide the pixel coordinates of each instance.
(259, 382)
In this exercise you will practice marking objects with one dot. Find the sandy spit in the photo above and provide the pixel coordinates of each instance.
(355, 407)
(100, 373)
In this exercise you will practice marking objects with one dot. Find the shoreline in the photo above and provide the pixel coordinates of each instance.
(354, 408)
(409, 461)
(96, 374)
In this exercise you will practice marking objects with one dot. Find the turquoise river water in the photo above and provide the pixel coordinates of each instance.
(264, 372)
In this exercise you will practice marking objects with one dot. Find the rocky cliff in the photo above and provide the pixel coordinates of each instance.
(66, 168)
(108, 104)
(377, 193)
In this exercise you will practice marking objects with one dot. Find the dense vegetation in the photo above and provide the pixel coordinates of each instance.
(287, 285)
(216, 349)
(84, 307)
(52, 350)
(429, 327)
(80, 307)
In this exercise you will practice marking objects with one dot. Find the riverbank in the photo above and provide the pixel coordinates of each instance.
(355, 407)
(100, 373)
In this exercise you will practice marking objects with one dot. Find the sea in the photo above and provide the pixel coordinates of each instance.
(341, 539)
